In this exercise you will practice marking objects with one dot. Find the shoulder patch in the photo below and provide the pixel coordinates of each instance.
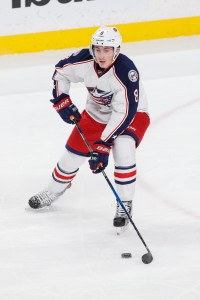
(133, 75)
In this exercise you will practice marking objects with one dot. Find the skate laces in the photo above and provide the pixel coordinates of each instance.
(120, 211)
(46, 198)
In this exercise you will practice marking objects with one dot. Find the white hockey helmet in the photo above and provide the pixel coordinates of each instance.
(106, 36)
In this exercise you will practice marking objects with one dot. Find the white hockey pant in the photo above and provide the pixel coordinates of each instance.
(65, 171)
(124, 154)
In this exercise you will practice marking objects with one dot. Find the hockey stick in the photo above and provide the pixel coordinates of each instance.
(146, 258)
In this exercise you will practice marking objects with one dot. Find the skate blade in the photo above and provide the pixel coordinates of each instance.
(39, 210)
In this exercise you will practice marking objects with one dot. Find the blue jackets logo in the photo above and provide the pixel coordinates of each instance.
(100, 97)
(133, 75)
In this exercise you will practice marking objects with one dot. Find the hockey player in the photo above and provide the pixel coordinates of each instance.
(115, 118)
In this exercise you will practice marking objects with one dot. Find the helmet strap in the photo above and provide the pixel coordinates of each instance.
(116, 53)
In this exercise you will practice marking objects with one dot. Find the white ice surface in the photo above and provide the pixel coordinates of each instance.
(71, 251)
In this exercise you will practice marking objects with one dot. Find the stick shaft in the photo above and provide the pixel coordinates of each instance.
(112, 188)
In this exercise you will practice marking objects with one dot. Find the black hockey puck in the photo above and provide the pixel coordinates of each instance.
(126, 255)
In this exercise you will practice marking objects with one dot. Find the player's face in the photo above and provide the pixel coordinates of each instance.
(104, 56)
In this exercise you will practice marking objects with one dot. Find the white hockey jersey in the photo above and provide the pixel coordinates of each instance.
(114, 96)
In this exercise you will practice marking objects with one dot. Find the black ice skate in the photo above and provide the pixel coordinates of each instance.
(45, 198)
(121, 219)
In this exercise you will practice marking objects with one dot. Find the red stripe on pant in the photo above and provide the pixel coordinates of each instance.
(125, 175)
(63, 177)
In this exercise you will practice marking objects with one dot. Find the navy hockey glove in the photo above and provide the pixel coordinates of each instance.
(66, 109)
(99, 157)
